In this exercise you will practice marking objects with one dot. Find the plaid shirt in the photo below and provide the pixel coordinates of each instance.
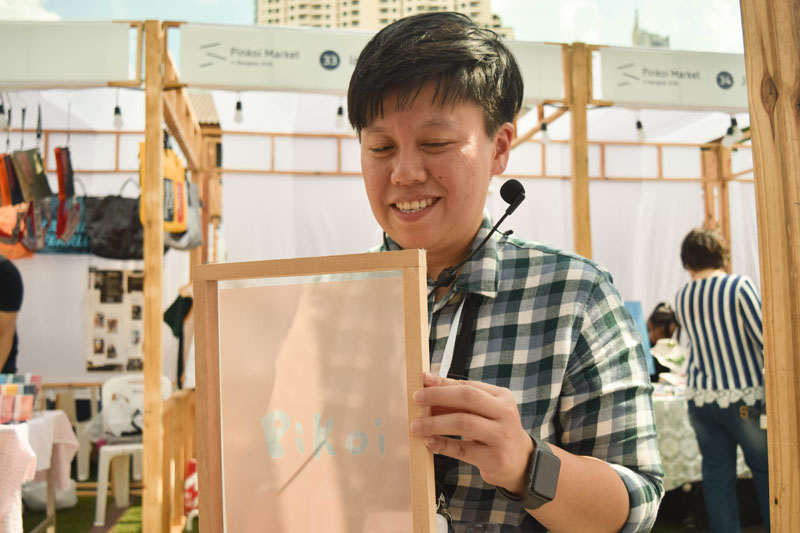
(552, 328)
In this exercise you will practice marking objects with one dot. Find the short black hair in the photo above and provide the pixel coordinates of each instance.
(703, 249)
(464, 61)
(663, 315)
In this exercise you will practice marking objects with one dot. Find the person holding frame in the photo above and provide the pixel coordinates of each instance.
(539, 392)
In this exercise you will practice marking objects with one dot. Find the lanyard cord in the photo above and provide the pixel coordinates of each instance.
(460, 344)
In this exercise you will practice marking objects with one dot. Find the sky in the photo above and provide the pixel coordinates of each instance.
(700, 25)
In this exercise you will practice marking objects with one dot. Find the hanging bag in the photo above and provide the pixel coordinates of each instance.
(175, 195)
(113, 226)
(193, 236)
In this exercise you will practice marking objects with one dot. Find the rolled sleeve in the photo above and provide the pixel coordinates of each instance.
(606, 405)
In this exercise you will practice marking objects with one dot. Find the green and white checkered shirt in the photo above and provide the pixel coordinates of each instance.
(553, 329)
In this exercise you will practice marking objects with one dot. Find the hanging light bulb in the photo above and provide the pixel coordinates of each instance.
(727, 140)
(545, 138)
(118, 123)
(736, 132)
(640, 136)
(3, 116)
(238, 117)
(339, 122)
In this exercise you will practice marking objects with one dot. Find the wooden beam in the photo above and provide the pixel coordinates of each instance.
(180, 117)
(153, 199)
(772, 60)
(534, 130)
(578, 79)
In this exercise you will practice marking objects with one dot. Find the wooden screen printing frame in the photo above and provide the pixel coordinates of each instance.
(206, 280)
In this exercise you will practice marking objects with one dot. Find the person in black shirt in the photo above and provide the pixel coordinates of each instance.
(10, 303)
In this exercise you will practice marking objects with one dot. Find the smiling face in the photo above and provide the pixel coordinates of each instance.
(427, 169)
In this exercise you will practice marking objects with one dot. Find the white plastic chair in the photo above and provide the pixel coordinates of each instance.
(116, 453)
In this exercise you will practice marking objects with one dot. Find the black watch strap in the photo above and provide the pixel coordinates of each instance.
(541, 478)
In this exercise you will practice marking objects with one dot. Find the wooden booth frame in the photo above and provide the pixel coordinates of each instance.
(206, 279)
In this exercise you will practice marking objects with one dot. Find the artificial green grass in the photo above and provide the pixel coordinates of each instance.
(75, 519)
(130, 521)
(80, 519)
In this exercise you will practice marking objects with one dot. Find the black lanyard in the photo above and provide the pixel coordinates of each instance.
(462, 353)
(465, 340)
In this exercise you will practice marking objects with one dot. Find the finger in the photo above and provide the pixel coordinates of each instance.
(432, 380)
(461, 398)
(469, 452)
(465, 425)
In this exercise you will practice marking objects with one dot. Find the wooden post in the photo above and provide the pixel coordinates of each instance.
(210, 189)
(578, 99)
(724, 171)
(153, 198)
(772, 59)
(710, 169)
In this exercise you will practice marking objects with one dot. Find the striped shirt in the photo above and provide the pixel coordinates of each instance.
(552, 328)
(722, 316)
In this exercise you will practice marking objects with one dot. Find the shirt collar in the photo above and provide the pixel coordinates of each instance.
(481, 273)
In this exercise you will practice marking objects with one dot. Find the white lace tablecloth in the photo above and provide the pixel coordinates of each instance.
(27, 451)
(677, 443)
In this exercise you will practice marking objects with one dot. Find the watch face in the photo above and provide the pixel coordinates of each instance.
(545, 475)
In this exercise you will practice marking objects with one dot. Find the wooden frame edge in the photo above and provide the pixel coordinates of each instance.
(309, 266)
(423, 485)
(209, 445)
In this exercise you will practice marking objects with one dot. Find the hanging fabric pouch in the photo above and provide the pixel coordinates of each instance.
(78, 242)
(10, 190)
(12, 227)
(69, 210)
(37, 220)
(30, 174)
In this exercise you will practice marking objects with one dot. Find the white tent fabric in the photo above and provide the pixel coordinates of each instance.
(636, 226)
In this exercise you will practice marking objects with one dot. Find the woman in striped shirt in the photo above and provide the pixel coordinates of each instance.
(721, 314)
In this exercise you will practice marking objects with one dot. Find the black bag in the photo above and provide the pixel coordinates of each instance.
(113, 227)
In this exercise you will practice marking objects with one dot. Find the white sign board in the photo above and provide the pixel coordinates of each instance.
(541, 67)
(678, 80)
(64, 54)
(289, 59)
(318, 60)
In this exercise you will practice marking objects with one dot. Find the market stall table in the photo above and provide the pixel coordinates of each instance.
(677, 443)
(42, 449)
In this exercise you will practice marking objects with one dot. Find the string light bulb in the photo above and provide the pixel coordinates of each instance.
(339, 122)
(640, 136)
(118, 122)
(727, 140)
(238, 116)
(736, 132)
(545, 138)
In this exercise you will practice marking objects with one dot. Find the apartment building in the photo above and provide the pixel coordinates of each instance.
(369, 14)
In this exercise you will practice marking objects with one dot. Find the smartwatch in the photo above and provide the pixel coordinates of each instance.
(541, 478)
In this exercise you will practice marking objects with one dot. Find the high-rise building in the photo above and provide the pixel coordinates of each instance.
(369, 14)
(645, 38)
